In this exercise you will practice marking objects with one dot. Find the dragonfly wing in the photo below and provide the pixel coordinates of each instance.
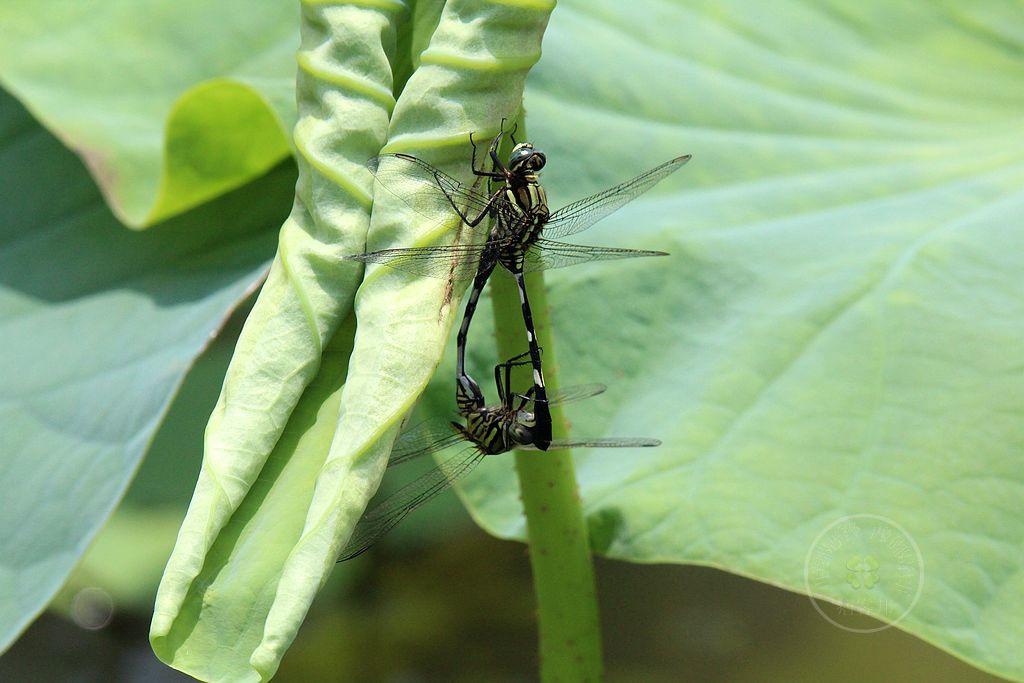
(601, 443)
(573, 393)
(457, 262)
(580, 215)
(383, 518)
(427, 190)
(425, 438)
(546, 254)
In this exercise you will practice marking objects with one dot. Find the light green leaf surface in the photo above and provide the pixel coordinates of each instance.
(838, 330)
(127, 557)
(169, 102)
(98, 325)
(204, 603)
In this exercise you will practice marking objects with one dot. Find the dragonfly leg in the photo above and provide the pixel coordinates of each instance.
(503, 398)
(507, 389)
(518, 360)
(484, 212)
(490, 175)
(526, 398)
(542, 411)
(468, 394)
(512, 133)
(493, 152)
(504, 386)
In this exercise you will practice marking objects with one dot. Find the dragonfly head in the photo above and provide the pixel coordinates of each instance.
(525, 158)
(521, 427)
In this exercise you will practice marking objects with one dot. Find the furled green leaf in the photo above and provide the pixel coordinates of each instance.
(169, 102)
(239, 582)
(204, 601)
(838, 330)
(98, 326)
(221, 622)
(470, 76)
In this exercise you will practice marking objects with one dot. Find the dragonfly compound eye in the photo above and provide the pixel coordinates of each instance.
(521, 153)
(522, 434)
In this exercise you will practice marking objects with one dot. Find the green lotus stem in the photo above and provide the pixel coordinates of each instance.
(563, 575)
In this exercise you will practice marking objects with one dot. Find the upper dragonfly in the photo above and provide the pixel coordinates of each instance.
(518, 236)
(489, 430)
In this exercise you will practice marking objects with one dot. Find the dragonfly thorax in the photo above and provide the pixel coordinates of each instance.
(498, 430)
(485, 427)
(528, 198)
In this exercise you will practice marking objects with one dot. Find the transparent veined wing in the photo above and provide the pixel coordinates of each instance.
(429, 191)
(457, 262)
(546, 254)
(434, 194)
(383, 517)
(425, 438)
(433, 436)
(601, 443)
(573, 393)
(582, 214)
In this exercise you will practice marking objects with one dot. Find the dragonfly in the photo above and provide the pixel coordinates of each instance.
(522, 236)
(489, 430)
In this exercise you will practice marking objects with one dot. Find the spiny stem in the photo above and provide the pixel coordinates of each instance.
(563, 575)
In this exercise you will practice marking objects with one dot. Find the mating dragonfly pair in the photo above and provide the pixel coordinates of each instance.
(519, 233)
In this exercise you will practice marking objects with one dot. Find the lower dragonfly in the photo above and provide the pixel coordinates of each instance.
(489, 430)
(521, 223)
